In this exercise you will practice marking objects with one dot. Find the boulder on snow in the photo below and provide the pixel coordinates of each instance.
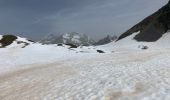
(143, 47)
(72, 45)
(60, 44)
(100, 51)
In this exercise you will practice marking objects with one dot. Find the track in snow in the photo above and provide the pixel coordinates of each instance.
(140, 75)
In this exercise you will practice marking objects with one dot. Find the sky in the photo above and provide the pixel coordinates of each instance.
(35, 19)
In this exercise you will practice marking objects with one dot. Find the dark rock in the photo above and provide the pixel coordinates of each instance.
(7, 40)
(59, 44)
(21, 42)
(100, 51)
(153, 27)
(143, 47)
(31, 41)
(72, 45)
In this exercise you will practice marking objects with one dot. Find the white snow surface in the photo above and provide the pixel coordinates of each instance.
(0, 39)
(51, 72)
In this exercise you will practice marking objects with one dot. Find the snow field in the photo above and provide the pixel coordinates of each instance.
(103, 77)
(50, 72)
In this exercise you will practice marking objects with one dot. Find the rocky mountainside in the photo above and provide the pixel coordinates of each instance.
(68, 38)
(11, 40)
(153, 27)
(106, 40)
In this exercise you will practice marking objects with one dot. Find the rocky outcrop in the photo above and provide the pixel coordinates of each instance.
(153, 27)
(11, 40)
(7, 40)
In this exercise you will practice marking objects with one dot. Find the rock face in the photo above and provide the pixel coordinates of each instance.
(68, 38)
(153, 27)
(7, 40)
(106, 40)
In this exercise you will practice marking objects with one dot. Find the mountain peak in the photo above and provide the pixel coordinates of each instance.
(107, 39)
(69, 38)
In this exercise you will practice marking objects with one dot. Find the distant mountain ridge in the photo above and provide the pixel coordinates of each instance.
(68, 38)
(106, 40)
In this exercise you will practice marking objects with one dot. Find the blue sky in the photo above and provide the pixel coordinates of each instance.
(96, 18)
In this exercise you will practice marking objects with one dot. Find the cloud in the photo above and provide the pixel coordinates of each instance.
(35, 18)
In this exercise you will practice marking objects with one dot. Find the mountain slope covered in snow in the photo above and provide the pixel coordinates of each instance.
(57, 73)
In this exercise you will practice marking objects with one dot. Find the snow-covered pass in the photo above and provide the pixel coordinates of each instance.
(135, 67)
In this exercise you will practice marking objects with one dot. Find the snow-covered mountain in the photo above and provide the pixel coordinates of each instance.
(68, 38)
(135, 67)
(11, 40)
(106, 40)
(152, 32)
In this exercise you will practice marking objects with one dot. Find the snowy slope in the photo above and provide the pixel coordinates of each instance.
(0, 37)
(125, 71)
(130, 44)
(57, 72)
(22, 52)
(53, 73)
